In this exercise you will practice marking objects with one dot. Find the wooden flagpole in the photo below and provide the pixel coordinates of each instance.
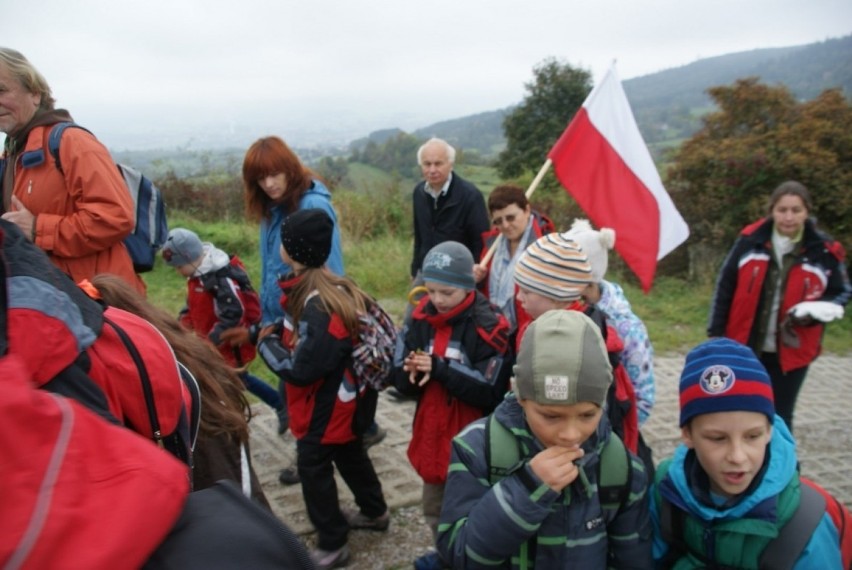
(542, 171)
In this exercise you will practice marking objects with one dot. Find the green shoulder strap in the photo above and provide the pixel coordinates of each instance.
(501, 449)
(614, 472)
(614, 475)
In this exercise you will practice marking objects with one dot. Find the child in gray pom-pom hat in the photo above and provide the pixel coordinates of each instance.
(454, 362)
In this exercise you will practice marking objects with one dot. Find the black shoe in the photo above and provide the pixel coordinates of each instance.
(398, 396)
(289, 476)
(373, 437)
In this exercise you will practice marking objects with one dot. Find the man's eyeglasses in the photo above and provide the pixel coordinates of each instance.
(509, 219)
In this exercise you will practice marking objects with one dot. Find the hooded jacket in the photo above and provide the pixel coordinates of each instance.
(486, 527)
(67, 466)
(320, 390)
(84, 212)
(469, 375)
(216, 301)
(273, 267)
(735, 535)
(637, 356)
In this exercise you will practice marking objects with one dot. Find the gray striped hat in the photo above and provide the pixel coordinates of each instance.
(555, 267)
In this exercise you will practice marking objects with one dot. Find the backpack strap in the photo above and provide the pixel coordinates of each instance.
(784, 550)
(501, 450)
(615, 475)
(672, 524)
(55, 137)
(144, 378)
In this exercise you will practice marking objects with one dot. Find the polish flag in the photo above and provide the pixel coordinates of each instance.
(602, 161)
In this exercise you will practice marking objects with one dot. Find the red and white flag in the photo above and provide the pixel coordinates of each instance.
(602, 161)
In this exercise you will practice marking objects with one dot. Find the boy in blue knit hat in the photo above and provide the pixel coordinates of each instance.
(733, 484)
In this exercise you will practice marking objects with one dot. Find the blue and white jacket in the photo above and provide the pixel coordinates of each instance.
(272, 267)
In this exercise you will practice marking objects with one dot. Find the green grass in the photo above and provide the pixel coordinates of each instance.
(675, 311)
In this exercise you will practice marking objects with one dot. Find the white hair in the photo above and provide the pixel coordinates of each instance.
(451, 152)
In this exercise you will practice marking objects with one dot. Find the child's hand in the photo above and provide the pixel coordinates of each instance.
(479, 272)
(418, 364)
(235, 336)
(555, 466)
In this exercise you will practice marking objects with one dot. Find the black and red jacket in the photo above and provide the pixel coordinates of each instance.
(320, 388)
(818, 274)
(219, 300)
(469, 376)
(541, 226)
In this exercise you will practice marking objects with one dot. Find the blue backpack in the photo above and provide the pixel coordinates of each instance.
(151, 229)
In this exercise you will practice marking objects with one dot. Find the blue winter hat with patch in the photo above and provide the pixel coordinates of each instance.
(722, 375)
(449, 263)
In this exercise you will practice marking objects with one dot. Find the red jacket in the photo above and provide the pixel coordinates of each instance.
(469, 376)
(219, 300)
(541, 226)
(78, 491)
(82, 217)
(818, 273)
(315, 372)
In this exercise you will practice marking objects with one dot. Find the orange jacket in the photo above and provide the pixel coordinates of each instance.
(83, 218)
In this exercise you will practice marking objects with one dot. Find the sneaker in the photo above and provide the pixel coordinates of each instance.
(374, 436)
(358, 520)
(289, 476)
(325, 559)
(283, 421)
(429, 561)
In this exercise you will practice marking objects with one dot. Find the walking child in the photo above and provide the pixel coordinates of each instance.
(730, 488)
(547, 506)
(220, 296)
(311, 352)
(453, 361)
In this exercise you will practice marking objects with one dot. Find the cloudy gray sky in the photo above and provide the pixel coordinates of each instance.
(201, 72)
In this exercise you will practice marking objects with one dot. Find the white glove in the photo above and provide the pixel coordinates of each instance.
(823, 311)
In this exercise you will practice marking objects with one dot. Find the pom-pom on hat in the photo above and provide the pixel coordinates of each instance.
(306, 236)
(596, 244)
(449, 263)
(182, 247)
(554, 266)
(562, 361)
(722, 375)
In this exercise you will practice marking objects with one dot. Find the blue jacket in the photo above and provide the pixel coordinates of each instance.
(823, 550)
(485, 527)
(272, 267)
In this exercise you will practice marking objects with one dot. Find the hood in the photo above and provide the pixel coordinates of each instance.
(613, 302)
(214, 260)
(777, 475)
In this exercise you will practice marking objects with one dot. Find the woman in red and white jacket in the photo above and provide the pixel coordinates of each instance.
(775, 264)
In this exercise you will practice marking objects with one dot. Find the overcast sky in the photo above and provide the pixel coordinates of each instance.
(191, 71)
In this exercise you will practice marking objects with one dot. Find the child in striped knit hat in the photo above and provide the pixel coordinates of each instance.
(551, 274)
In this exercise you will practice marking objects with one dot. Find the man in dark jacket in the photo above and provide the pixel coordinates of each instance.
(446, 207)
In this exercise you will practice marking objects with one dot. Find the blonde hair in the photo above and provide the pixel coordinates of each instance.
(28, 76)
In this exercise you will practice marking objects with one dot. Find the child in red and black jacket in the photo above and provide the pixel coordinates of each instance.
(453, 360)
(312, 354)
(219, 296)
